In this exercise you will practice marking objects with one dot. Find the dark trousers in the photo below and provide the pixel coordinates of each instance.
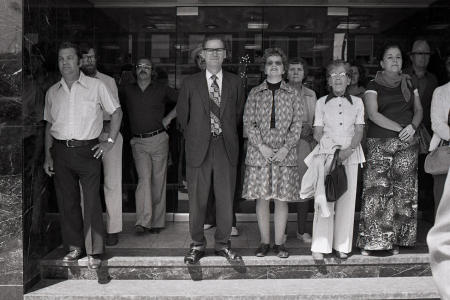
(210, 217)
(217, 173)
(74, 166)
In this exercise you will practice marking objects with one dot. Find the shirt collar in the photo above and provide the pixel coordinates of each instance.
(283, 86)
(81, 80)
(219, 75)
(332, 96)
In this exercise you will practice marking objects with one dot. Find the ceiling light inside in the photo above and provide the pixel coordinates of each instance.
(252, 47)
(211, 26)
(257, 25)
(348, 26)
(439, 26)
(187, 11)
(320, 47)
(297, 26)
(165, 26)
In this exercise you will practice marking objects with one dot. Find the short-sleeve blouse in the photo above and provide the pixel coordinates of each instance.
(393, 106)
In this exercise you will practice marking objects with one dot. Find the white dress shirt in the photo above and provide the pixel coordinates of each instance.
(219, 79)
(77, 113)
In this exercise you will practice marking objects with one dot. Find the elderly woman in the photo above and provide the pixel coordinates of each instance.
(296, 74)
(273, 123)
(389, 204)
(338, 124)
(356, 87)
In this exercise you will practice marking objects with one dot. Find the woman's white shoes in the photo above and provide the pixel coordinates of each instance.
(305, 238)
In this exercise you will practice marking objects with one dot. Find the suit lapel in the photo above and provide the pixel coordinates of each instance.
(225, 90)
(204, 91)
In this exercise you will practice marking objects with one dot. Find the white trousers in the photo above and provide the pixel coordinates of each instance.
(336, 231)
(112, 170)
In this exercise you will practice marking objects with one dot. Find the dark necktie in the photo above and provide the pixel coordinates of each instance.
(214, 96)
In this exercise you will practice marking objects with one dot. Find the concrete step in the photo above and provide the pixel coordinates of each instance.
(349, 288)
(165, 263)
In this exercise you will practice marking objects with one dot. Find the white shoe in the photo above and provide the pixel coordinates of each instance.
(305, 238)
(207, 226)
(234, 231)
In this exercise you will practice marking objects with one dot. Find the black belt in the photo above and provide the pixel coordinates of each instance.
(149, 134)
(77, 143)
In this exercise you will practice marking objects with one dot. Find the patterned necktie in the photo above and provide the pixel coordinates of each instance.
(214, 96)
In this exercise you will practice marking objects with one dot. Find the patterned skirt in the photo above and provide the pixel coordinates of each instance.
(272, 182)
(389, 201)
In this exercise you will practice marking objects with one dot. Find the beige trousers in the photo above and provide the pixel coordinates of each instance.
(150, 157)
(112, 170)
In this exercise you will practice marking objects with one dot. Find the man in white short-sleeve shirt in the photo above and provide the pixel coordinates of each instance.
(74, 109)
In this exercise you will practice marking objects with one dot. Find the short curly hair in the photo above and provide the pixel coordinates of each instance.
(299, 61)
(275, 52)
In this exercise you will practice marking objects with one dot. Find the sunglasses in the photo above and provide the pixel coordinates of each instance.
(277, 63)
(143, 66)
(336, 75)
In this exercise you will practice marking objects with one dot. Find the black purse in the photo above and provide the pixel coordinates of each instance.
(336, 180)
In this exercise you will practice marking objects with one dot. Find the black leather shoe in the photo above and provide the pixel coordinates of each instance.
(139, 229)
(229, 254)
(262, 250)
(193, 256)
(73, 255)
(280, 251)
(112, 239)
(155, 230)
(94, 261)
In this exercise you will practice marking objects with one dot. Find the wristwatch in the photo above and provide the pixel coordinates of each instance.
(110, 140)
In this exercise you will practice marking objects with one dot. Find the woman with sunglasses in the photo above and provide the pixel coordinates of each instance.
(273, 123)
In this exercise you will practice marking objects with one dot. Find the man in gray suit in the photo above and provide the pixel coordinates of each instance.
(209, 110)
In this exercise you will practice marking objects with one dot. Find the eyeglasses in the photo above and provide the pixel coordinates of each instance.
(336, 75)
(276, 62)
(421, 53)
(89, 57)
(143, 66)
(214, 50)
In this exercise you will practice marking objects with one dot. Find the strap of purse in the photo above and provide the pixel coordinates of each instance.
(334, 162)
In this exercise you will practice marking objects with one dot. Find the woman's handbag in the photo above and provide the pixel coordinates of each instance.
(336, 180)
(437, 161)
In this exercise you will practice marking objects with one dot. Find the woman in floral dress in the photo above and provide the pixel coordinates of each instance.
(273, 123)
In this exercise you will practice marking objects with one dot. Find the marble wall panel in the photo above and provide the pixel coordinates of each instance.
(11, 256)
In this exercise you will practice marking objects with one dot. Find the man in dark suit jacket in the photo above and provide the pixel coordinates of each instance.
(209, 110)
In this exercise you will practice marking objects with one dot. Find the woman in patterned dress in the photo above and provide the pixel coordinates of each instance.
(272, 122)
(389, 205)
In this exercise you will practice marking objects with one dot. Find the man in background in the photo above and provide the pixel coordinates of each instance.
(112, 160)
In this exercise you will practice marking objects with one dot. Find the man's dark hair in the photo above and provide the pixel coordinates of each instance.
(67, 45)
(85, 47)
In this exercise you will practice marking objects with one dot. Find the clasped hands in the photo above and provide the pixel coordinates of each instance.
(407, 133)
(272, 155)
